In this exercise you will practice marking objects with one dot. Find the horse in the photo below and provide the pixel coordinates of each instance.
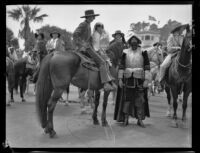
(155, 58)
(22, 71)
(57, 71)
(10, 78)
(178, 78)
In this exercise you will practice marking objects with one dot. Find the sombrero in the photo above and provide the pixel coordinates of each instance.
(180, 28)
(89, 13)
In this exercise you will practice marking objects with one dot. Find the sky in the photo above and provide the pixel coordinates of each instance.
(114, 17)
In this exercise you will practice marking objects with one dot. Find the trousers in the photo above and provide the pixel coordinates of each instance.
(103, 66)
(166, 63)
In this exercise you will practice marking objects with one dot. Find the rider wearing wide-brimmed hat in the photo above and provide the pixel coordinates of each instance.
(133, 79)
(82, 39)
(55, 43)
(174, 43)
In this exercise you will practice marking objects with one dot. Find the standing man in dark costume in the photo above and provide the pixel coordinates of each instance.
(83, 42)
(133, 77)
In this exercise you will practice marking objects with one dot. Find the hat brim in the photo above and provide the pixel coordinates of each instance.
(180, 28)
(51, 34)
(122, 34)
(138, 40)
(89, 15)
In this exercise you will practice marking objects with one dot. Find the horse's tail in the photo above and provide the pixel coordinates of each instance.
(43, 90)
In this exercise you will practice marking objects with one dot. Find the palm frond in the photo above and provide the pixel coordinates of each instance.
(27, 10)
(16, 14)
(34, 12)
(39, 18)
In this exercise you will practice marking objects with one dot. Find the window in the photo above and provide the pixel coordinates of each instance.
(152, 37)
(147, 37)
(142, 38)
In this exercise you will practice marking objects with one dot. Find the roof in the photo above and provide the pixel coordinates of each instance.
(147, 32)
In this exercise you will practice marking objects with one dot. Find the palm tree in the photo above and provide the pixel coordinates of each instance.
(25, 15)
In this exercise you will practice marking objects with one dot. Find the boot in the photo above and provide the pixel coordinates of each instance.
(107, 87)
(140, 123)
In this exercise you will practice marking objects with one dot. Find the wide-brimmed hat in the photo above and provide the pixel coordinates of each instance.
(131, 35)
(89, 13)
(118, 32)
(180, 28)
(54, 32)
(157, 44)
(39, 34)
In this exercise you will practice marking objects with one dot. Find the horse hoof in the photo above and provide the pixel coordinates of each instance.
(52, 134)
(174, 124)
(105, 123)
(96, 122)
(12, 100)
(168, 114)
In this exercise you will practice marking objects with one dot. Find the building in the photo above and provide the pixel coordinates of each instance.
(148, 38)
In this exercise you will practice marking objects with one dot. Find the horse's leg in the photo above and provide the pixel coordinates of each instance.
(67, 98)
(169, 109)
(114, 97)
(22, 86)
(184, 106)
(103, 114)
(175, 105)
(82, 101)
(90, 94)
(51, 106)
(95, 109)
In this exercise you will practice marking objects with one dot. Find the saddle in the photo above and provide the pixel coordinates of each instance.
(87, 62)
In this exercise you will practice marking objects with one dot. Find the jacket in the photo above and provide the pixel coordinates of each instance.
(82, 34)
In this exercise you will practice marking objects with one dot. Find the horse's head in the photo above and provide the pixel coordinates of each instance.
(187, 40)
(156, 56)
(114, 52)
(185, 54)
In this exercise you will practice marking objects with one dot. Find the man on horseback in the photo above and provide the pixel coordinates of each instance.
(55, 43)
(174, 43)
(133, 79)
(83, 42)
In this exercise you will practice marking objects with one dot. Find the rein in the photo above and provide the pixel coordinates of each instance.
(184, 66)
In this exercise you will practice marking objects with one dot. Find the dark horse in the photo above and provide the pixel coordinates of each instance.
(20, 73)
(57, 70)
(179, 77)
(10, 78)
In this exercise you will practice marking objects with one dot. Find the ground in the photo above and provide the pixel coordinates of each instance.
(76, 130)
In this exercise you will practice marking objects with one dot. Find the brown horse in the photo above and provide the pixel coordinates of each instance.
(57, 71)
(10, 75)
(179, 77)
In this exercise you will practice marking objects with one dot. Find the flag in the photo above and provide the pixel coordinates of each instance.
(152, 18)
